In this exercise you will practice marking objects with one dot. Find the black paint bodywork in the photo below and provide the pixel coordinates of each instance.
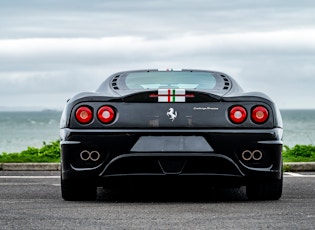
(143, 142)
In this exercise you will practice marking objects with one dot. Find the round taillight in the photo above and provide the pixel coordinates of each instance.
(260, 114)
(106, 114)
(238, 114)
(84, 115)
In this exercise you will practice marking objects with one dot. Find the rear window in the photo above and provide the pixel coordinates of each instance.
(169, 80)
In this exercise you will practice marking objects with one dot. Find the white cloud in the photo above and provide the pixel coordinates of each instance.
(286, 42)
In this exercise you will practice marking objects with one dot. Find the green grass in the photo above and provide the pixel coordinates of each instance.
(47, 153)
(51, 153)
(299, 153)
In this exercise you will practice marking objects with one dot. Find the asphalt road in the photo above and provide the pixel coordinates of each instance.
(31, 200)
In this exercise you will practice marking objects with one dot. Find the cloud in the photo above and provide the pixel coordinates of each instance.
(160, 18)
(56, 55)
(60, 65)
(279, 43)
(55, 49)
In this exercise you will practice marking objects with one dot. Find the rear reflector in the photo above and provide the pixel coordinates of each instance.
(260, 114)
(237, 114)
(106, 114)
(84, 115)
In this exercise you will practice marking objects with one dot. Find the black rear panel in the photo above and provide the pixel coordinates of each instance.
(137, 115)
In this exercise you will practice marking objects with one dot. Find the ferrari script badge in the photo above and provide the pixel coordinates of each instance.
(172, 114)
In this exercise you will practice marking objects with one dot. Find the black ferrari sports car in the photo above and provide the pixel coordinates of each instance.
(171, 124)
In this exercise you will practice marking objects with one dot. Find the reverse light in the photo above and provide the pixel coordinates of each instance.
(238, 114)
(260, 114)
(84, 115)
(106, 114)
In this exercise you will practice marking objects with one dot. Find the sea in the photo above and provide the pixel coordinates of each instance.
(19, 130)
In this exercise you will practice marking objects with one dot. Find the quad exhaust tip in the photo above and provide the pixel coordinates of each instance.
(86, 155)
(248, 155)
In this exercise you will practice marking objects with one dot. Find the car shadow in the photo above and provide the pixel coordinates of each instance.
(172, 195)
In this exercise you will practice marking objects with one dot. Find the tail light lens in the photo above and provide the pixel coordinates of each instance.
(84, 115)
(260, 114)
(237, 114)
(106, 114)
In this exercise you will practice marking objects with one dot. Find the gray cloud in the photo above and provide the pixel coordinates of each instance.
(149, 18)
(51, 50)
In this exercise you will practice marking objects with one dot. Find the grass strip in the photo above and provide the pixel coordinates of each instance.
(47, 153)
(51, 153)
(299, 153)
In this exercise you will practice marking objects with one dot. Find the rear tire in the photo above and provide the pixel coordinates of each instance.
(267, 190)
(77, 191)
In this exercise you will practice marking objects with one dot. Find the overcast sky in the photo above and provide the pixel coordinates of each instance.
(53, 49)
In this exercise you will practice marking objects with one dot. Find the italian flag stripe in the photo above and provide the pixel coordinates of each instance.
(174, 95)
(171, 95)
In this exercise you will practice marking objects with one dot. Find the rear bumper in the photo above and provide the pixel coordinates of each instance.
(222, 162)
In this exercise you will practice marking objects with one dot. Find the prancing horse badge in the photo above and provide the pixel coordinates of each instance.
(172, 114)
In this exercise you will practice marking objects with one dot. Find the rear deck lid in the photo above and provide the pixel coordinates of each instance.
(170, 83)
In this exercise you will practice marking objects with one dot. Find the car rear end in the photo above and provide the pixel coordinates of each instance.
(221, 136)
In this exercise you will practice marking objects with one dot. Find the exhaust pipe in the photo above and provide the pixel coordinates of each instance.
(94, 155)
(256, 155)
(85, 155)
(247, 155)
